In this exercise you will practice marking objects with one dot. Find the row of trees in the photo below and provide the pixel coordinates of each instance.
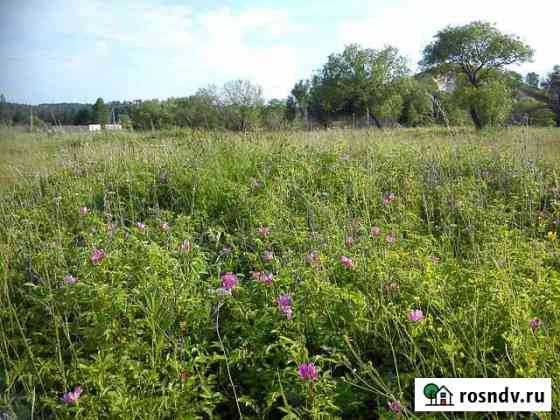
(365, 85)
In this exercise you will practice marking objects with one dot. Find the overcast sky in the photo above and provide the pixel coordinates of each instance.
(78, 50)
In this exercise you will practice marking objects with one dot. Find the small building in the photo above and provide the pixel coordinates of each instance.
(112, 127)
(444, 396)
(94, 127)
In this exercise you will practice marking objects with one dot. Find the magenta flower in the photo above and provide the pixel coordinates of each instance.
(71, 397)
(140, 225)
(267, 256)
(229, 280)
(284, 303)
(395, 406)
(70, 280)
(264, 231)
(346, 262)
(416, 315)
(186, 246)
(263, 277)
(375, 231)
(256, 184)
(348, 241)
(535, 324)
(163, 178)
(307, 372)
(388, 199)
(390, 238)
(83, 210)
(435, 259)
(97, 255)
(164, 226)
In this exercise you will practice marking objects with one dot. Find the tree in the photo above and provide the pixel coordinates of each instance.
(4, 111)
(532, 79)
(478, 51)
(84, 116)
(241, 100)
(361, 80)
(551, 85)
(100, 112)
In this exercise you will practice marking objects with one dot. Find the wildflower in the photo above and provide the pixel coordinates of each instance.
(164, 226)
(71, 397)
(485, 174)
(264, 231)
(390, 238)
(163, 178)
(83, 210)
(556, 222)
(346, 262)
(186, 246)
(395, 406)
(140, 225)
(267, 256)
(97, 255)
(535, 323)
(225, 250)
(70, 280)
(416, 315)
(184, 375)
(312, 258)
(388, 199)
(375, 231)
(256, 184)
(263, 277)
(435, 259)
(307, 372)
(229, 280)
(348, 241)
(551, 236)
(284, 303)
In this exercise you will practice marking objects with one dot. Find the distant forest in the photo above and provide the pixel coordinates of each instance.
(463, 81)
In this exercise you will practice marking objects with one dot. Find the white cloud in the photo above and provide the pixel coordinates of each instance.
(411, 26)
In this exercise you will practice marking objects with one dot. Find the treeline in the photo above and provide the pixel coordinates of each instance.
(463, 80)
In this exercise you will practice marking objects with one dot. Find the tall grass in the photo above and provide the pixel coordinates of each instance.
(148, 333)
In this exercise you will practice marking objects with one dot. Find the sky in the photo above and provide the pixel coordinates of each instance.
(79, 50)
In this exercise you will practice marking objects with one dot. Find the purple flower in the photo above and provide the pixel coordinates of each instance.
(285, 305)
(375, 231)
(435, 259)
(163, 178)
(164, 226)
(70, 280)
(267, 256)
(264, 231)
(390, 238)
(229, 280)
(307, 372)
(263, 277)
(388, 199)
(348, 241)
(225, 250)
(395, 406)
(71, 397)
(83, 210)
(256, 184)
(556, 222)
(312, 258)
(346, 262)
(535, 323)
(186, 246)
(140, 225)
(97, 255)
(416, 315)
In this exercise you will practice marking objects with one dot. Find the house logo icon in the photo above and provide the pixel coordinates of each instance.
(438, 395)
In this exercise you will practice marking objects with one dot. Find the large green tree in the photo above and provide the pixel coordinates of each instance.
(100, 112)
(242, 102)
(361, 80)
(552, 89)
(478, 51)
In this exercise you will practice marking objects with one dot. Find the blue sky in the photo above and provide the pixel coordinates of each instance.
(78, 50)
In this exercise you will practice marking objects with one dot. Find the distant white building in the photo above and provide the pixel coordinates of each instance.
(94, 127)
(113, 127)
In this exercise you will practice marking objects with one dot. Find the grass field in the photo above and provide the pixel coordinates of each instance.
(187, 274)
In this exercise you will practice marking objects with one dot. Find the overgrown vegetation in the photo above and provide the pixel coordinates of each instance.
(190, 274)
